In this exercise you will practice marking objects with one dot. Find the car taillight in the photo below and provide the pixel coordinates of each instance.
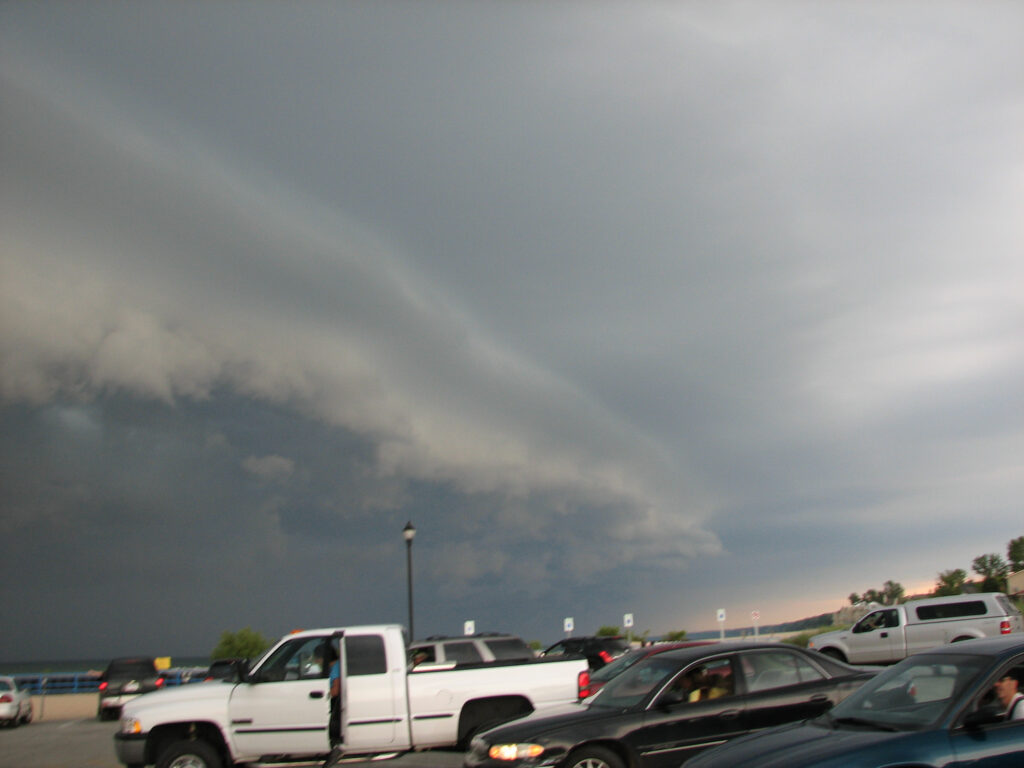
(103, 685)
(583, 684)
(1004, 627)
(605, 656)
(6, 699)
(160, 681)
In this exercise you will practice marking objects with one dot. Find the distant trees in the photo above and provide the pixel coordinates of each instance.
(675, 636)
(891, 593)
(950, 582)
(993, 571)
(1015, 554)
(245, 643)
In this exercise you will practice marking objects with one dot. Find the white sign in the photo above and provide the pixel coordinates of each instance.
(721, 615)
(567, 625)
(755, 615)
(627, 620)
(469, 628)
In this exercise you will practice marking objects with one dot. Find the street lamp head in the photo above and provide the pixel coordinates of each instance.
(409, 531)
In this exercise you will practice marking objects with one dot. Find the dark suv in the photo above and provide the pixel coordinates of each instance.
(598, 650)
(123, 680)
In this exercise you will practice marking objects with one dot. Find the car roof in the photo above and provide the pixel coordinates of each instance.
(714, 649)
(1004, 645)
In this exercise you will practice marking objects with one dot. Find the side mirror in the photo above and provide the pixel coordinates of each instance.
(240, 668)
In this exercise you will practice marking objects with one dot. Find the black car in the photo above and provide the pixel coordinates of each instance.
(123, 680)
(598, 650)
(937, 708)
(670, 706)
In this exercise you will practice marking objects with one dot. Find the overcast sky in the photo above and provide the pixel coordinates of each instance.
(631, 307)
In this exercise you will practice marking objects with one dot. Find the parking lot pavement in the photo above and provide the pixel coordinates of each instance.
(88, 743)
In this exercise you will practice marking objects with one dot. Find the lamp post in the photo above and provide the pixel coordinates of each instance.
(409, 533)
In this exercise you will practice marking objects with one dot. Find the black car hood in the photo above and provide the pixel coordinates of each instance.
(798, 744)
(540, 723)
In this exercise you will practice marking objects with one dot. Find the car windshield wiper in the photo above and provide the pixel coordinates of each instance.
(864, 721)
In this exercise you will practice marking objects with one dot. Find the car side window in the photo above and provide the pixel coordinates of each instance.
(765, 670)
(1004, 699)
(365, 655)
(461, 652)
(709, 680)
(298, 659)
(884, 619)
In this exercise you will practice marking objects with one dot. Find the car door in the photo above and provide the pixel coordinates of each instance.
(877, 637)
(284, 707)
(687, 717)
(372, 696)
(782, 687)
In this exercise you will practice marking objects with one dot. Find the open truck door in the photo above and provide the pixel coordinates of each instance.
(372, 708)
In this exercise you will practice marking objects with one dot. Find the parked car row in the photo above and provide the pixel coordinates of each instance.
(673, 704)
(955, 700)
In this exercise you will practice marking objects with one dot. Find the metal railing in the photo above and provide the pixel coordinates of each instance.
(89, 682)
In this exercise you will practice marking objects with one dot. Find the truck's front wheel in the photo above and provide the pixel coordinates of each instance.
(189, 753)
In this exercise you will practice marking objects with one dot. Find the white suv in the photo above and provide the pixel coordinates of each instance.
(469, 649)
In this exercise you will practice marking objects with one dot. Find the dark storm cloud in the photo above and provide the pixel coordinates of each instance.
(643, 308)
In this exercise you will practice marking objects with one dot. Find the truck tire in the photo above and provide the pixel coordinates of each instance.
(594, 757)
(478, 716)
(834, 653)
(189, 753)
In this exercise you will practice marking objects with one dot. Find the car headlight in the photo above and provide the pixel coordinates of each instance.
(514, 751)
(131, 725)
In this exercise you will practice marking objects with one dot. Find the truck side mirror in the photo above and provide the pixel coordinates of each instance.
(240, 668)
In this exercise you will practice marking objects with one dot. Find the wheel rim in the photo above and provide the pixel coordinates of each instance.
(187, 761)
(591, 762)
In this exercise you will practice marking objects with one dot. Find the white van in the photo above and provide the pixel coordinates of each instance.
(892, 633)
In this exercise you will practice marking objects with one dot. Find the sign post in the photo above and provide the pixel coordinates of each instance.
(469, 628)
(627, 623)
(567, 625)
(755, 616)
(721, 623)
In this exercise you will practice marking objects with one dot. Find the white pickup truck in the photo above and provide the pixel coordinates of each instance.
(280, 712)
(890, 634)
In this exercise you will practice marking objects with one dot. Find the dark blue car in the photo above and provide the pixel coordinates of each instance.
(936, 709)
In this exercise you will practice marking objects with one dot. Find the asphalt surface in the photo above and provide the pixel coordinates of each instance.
(88, 743)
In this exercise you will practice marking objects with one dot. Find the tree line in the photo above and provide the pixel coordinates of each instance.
(992, 569)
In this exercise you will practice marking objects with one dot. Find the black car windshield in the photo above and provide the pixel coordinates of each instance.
(913, 695)
(635, 684)
(614, 668)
